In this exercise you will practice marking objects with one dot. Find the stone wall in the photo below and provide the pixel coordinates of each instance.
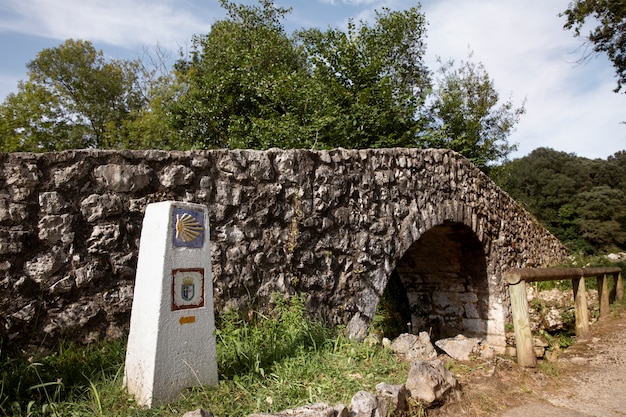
(333, 224)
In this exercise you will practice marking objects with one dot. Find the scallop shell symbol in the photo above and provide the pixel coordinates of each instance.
(187, 227)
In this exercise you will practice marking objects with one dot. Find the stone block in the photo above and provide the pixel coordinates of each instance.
(56, 228)
(44, 265)
(100, 206)
(65, 177)
(51, 202)
(174, 175)
(123, 178)
(104, 238)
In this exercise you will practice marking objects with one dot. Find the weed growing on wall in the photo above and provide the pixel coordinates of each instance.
(393, 313)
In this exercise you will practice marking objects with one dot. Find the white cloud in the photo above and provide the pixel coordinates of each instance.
(529, 56)
(124, 23)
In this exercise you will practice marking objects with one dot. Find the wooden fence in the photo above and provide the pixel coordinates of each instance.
(517, 279)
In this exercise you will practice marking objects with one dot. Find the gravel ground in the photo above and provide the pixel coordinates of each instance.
(592, 380)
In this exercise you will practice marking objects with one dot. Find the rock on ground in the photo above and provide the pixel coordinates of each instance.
(313, 410)
(414, 346)
(198, 413)
(460, 347)
(431, 382)
(365, 404)
(398, 395)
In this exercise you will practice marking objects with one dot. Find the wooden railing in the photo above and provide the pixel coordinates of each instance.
(517, 279)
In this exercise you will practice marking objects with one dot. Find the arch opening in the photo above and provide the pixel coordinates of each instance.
(440, 284)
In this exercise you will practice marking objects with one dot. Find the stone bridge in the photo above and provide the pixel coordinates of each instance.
(338, 225)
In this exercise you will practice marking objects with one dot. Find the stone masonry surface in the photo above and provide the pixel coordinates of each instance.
(332, 224)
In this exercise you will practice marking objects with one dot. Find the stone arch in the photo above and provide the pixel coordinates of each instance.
(444, 275)
(451, 247)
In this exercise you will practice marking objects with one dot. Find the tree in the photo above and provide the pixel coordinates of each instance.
(374, 78)
(248, 84)
(601, 217)
(33, 120)
(617, 168)
(580, 200)
(148, 127)
(468, 116)
(251, 85)
(609, 36)
(245, 84)
(74, 98)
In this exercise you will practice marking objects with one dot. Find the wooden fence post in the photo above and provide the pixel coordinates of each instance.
(619, 286)
(521, 321)
(603, 295)
(580, 306)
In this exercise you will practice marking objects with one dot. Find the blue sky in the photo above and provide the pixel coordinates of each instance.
(569, 107)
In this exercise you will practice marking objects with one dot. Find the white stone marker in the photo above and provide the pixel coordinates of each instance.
(171, 345)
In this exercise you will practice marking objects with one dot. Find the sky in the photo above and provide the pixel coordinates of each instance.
(570, 106)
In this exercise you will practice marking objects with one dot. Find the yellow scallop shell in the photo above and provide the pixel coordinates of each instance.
(187, 227)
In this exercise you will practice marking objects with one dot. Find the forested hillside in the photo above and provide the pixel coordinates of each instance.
(582, 201)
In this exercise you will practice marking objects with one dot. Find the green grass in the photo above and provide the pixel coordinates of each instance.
(267, 363)
(37, 385)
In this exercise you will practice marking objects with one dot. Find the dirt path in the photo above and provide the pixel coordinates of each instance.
(593, 381)
(587, 380)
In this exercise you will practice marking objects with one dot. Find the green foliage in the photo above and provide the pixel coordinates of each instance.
(565, 338)
(601, 216)
(609, 34)
(561, 285)
(373, 79)
(246, 85)
(471, 120)
(305, 363)
(148, 127)
(254, 344)
(74, 98)
(267, 363)
(581, 201)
